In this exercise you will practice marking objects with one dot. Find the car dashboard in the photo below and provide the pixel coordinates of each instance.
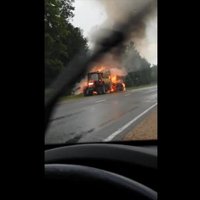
(134, 160)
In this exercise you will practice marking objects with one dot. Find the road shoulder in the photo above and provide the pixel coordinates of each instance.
(145, 130)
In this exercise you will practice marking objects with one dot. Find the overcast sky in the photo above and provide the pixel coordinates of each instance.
(90, 15)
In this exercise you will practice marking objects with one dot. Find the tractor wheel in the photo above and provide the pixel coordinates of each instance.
(99, 91)
(86, 92)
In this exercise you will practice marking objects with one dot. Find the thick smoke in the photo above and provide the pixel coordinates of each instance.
(111, 61)
(141, 15)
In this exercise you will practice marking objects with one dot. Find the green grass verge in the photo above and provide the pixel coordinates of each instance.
(71, 97)
(141, 86)
(74, 97)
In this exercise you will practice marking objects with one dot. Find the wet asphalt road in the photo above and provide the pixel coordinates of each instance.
(96, 118)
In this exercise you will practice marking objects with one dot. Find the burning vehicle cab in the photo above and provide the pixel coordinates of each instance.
(101, 82)
(95, 84)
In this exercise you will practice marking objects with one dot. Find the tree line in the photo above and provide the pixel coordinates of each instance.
(140, 71)
(142, 77)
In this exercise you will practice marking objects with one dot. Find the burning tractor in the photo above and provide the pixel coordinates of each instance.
(103, 82)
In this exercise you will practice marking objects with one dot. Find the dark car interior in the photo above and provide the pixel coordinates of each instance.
(121, 168)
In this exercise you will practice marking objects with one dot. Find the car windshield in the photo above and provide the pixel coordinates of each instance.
(94, 77)
(117, 39)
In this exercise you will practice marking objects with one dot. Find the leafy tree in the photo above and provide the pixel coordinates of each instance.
(62, 39)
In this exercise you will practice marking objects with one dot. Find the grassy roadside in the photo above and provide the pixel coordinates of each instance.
(141, 86)
(74, 97)
(71, 97)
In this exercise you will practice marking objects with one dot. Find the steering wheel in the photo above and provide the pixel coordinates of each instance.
(87, 180)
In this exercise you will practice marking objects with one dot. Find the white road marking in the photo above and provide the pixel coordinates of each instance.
(127, 94)
(109, 138)
(99, 101)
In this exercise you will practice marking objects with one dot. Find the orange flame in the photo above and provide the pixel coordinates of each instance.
(114, 75)
(124, 85)
(98, 68)
(114, 78)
